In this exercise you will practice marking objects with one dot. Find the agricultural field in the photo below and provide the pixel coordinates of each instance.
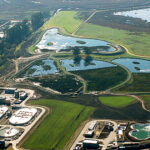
(68, 20)
(55, 131)
(104, 78)
(140, 82)
(61, 83)
(116, 101)
(116, 36)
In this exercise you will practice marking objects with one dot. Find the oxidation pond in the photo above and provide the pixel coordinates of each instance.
(52, 40)
(94, 64)
(140, 131)
(143, 14)
(134, 65)
(43, 67)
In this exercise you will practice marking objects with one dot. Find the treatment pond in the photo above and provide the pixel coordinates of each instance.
(134, 65)
(143, 14)
(140, 131)
(52, 40)
(43, 68)
(94, 64)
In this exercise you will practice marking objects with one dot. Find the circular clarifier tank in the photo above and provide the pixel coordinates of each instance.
(8, 132)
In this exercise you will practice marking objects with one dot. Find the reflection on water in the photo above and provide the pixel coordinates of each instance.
(52, 40)
(39, 69)
(134, 65)
(94, 64)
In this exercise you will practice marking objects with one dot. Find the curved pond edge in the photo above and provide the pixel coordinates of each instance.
(133, 129)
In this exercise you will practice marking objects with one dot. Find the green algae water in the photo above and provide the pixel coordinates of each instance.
(140, 131)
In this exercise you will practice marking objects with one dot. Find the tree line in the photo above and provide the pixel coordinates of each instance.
(18, 33)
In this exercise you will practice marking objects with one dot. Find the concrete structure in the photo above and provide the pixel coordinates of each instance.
(8, 132)
(16, 95)
(89, 134)
(90, 144)
(23, 95)
(10, 90)
(3, 110)
(92, 126)
(23, 116)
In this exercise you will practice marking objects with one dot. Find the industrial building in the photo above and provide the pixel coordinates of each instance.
(23, 95)
(10, 90)
(92, 126)
(23, 116)
(89, 134)
(90, 144)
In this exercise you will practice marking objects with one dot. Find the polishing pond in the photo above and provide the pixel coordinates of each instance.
(143, 14)
(45, 67)
(134, 65)
(53, 40)
(70, 65)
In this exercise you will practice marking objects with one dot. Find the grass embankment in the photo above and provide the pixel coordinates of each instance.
(137, 43)
(57, 128)
(140, 82)
(68, 20)
(116, 101)
(146, 99)
(102, 79)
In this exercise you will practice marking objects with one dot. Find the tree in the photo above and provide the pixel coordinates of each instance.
(76, 51)
(77, 60)
(87, 51)
(37, 20)
(88, 60)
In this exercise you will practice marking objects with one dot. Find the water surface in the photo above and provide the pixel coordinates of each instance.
(94, 64)
(141, 131)
(143, 14)
(39, 70)
(134, 65)
(52, 40)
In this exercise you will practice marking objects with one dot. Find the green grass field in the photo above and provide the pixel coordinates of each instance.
(102, 79)
(57, 128)
(116, 101)
(146, 99)
(137, 43)
(68, 20)
(140, 82)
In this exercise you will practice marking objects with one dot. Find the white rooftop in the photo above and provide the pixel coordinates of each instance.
(3, 110)
(23, 116)
(90, 141)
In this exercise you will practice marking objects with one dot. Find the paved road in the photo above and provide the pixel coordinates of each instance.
(106, 141)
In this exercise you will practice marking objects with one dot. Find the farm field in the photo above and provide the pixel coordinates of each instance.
(104, 78)
(122, 37)
(116, 101)
(68, 20)
(52, 131)
(139, 83)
